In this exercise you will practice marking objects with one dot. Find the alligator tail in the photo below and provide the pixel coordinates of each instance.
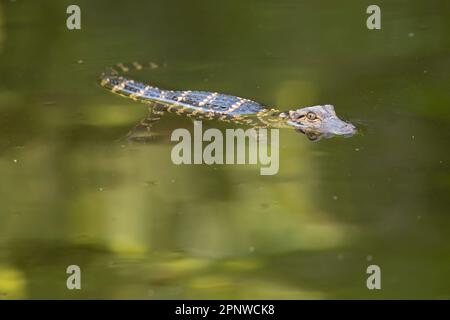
(115, 80)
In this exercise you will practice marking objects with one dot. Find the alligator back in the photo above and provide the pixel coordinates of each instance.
(212, 103)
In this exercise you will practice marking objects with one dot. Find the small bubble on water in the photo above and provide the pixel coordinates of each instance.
(335, 197)
(15, 160)
(369, 258)
(80, 61)
(356, 149)
(411, 34)
(100, 189)
(251, 249)
(150, 183)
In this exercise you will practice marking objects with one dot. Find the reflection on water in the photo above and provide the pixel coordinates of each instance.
(74, 191)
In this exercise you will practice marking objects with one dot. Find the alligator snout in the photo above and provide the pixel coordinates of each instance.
(339, 127)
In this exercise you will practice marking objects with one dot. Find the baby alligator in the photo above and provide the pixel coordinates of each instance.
(315, 122)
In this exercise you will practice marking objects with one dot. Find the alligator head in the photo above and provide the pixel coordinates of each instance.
(318, 121)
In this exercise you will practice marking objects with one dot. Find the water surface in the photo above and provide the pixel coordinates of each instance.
(74, 191)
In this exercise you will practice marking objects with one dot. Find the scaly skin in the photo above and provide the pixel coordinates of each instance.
(315, 122)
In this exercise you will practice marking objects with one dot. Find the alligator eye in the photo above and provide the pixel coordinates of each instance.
(311, 116)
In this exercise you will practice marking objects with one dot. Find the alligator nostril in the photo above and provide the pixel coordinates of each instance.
(350, 128)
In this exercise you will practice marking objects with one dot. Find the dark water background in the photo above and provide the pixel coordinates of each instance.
(72, 191)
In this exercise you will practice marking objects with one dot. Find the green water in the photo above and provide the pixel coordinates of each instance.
(73, 191)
